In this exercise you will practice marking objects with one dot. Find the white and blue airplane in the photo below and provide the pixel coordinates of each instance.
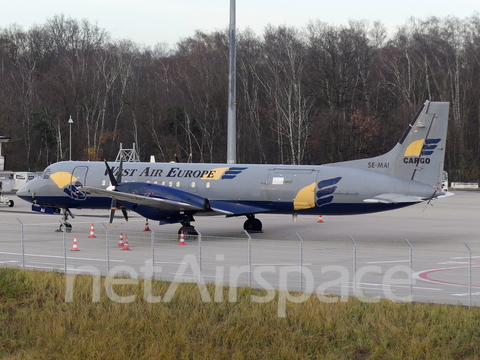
(176, 192)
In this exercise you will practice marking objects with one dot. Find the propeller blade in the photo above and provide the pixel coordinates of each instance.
(120, 170)
(112, 214)
(113, 207)
(113, 181)
(124, 212)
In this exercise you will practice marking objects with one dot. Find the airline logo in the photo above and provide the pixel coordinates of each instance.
(222, 173)
(315, 194)
(74, 192)
(232, 172)
(70, 185)
(325, 189)
(418, 152)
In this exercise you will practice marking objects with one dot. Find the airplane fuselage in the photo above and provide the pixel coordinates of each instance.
(320, 190)
(173, 192)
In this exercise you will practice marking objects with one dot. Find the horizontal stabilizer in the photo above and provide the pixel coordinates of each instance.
(447, 194)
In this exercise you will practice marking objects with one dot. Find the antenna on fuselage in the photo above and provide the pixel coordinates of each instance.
(129, 155)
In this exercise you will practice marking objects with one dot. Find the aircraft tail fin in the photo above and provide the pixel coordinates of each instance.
(420, 153)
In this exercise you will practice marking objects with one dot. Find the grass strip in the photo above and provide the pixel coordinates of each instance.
(37, 323)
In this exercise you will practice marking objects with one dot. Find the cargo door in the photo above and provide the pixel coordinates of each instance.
(285, 184)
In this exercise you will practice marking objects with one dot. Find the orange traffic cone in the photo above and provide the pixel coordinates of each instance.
(125, 243)
(146, 226)
(182, 239)
(92, 232)
(320, 219)
(120, 241)
(75, 244)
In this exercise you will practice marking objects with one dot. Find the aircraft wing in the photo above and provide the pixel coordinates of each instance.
(155, 202)
(229, 208)
(393, 199)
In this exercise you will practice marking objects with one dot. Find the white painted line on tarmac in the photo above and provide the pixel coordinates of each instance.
(194, 277)
(281, 264)
(466, 294)
(386, 262)
(394, 286)
(58, 268)
(60, 257)
(43, 263)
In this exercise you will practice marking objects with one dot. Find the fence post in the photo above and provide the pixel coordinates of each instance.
(410, 257)
(469, 275)
(200, 252)
(354, 266)
(63, 227)
(22, 242)
(107, 247)
(249, 258)
(152, 242)
(301, 262)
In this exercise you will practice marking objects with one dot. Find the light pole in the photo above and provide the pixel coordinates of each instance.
(232, 90)
(70, 122)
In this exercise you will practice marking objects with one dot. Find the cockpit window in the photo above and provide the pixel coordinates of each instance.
(46, 174)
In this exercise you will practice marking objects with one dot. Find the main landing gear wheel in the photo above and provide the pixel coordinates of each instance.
(187, 228)
(10, 203)
(252, 224)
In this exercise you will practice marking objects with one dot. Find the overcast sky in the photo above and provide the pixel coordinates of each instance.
(149, 22)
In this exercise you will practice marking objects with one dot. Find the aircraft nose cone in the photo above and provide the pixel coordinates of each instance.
(24, 192)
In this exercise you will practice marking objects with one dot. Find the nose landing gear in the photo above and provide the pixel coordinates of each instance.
(65, 224)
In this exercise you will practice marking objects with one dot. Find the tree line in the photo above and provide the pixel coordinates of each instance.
(314, 95)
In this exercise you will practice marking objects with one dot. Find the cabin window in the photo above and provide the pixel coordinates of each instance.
(207, 184)
(177, 184)
(104, 182)
(162, 183)
(192, 184)
(170, 183)
(46, 174)
(155, 182)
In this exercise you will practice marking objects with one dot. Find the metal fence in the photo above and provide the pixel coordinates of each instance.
(399, 271)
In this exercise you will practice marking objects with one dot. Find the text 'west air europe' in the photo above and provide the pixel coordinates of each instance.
(174, 172)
